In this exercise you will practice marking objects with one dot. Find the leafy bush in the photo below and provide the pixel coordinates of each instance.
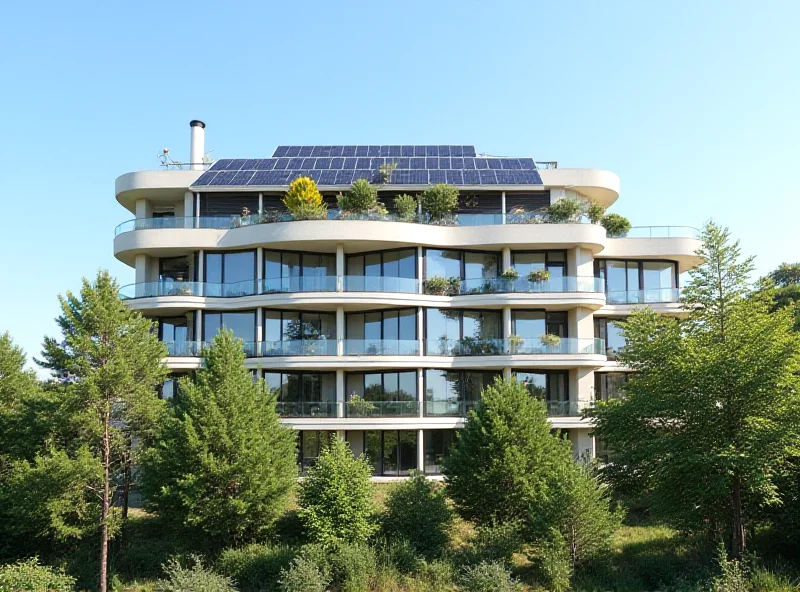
(192, 579)
(550, 340)
(498, 542)
(439, 200)
(487, 577)
(553, 563)
(436, 576)
(256, 566)
(336, 496)
(510, 274)
(361, 198)
(539, 275)
(406, 206)
(594, 211)
(615, 225)
(733, 574)
(399, 554)
(436, 285)
(564, 210)
(319, 556)
(29, 574)
(417, 511)
(353, 565)
(302, 576)
(304, 201)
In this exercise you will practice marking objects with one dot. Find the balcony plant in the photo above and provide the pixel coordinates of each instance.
(436, 286)
(515, 343)
(359, 407)
(269, 216)
(594, 211)
(539, 276)
(406, 207)
(564, 211)
(362, 198)
(550, 340)
(304, 201)
(439, 201)
(385, 171)
(510, 274)
(616, 225)
(453, 286)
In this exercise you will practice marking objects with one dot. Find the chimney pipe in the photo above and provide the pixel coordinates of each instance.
(197, 147)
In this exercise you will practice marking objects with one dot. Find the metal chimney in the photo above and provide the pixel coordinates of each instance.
(197, 147)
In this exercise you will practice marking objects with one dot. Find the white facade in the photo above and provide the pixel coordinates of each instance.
(371, 331)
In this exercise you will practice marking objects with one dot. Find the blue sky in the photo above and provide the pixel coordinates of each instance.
(693, 104)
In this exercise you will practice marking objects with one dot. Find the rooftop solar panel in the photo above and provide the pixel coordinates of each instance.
(341, 165)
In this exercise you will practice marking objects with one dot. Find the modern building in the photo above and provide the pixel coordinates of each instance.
(340, 315)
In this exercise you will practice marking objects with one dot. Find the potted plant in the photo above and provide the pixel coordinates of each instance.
(361, 199)
(436, 285)
(406, 207)
(550, 341)
(539, 276)
(359, 407)
(439, 200)
(616, 226)
(510, 274)
(595, 212)
(515, 342)
(304, 201)
(564, 211)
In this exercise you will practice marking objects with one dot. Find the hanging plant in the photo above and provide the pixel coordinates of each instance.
(550, 340)
(510, 274)
(539, 276)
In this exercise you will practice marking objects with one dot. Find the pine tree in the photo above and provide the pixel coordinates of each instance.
(115, 356)
(714, 403)
(223, 463)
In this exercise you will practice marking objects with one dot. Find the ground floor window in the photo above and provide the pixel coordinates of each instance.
(309, 444)
(393, 453)
(437, 448)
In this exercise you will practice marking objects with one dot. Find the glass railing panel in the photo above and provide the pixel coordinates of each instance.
(360, 283)
(482, 219)
(524, 286)
(231, 290)
(304, 347)
(381, 409)
(464, 347)
(381, 347)
(663, 232)
(564, 345)
(307, 409)
(644, 296)
(445, 408)
(193, 349)
(307, 283)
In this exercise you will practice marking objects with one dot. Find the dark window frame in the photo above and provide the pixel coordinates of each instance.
(382, 312)
(382, 471)
(299, 313)
(381, 252)
(222, 269)
(462, 382)
(363, 374)
(546, 320)
(222, 312)
(548, 374)
(640, 269)
(460, 312)
(547, 252)
(462, 263)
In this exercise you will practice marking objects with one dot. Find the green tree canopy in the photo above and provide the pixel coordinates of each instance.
(222, 463)
(713, 404)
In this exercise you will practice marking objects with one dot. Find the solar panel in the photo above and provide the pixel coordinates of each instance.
(342, 165)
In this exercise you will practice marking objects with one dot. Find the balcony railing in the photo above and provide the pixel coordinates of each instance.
(307, 409)
(462, 408)
(360, 283)
(381, 347)
(381, 409)
(663, 232)
(305, 283)
(230, 290)
(190, 349)
(523, 286)
(514, 346)
(652, 296)
(464, 347)
(299, 347)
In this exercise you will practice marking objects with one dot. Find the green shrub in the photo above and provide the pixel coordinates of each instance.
(439, 200)
(553, 563)
(436, 576)
(564, 210)
(362, 197)
(400, 555)
(304, 201)
(437, 286)
(487, 577)
(302, 576)
(192, 579)
(733, 574)
(320, 556)
(256, 566)
(336, 496)
(615, 225)
(498, 542)
(594, 211)
(29, 574)
(353, 565)
(406, 206)
(417, 512)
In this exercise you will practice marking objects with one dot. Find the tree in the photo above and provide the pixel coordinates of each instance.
(304, 201)
(222, 462)
(336, 496)
(439, 201)
(782, 286)
(115, 356)
(417, 512)
(362, 197)
(506, 465)
(713, 405)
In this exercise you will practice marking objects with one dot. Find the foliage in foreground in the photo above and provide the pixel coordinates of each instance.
(30, 575)
(223, 463)
(336, 496)
(194, 578)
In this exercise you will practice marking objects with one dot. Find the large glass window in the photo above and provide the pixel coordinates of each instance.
(303, 394)
(388, 331)
(608, 385)
(173, 269)
(243, 324)
(310, 444)
(294, 272)
(553, 261)
(550, 387)
(437, 448)
(463, 332)
(366, 271)
(173, 329)
(382, 386)
(236, 270)
(392, 453)
(637, 281)
(609, 331)
(481, 265)
(454, 393)
(441, 263)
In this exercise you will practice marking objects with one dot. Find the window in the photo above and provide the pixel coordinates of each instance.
(638, 281)
(392, 453)
(284, 331)
(309, 445)
(173, 269)
(303, 394)
(609, 331)
(243, 325)
(553, 261)
(389, 332)
(294, 272)
(532, 324)
(230, 268)
(169, 388)
(437, 448)
(440, 263)
(550, 387)
(366, 271)
(173, 329)
(462, 332)
(454, 393)
(608, 385)
(382, 386)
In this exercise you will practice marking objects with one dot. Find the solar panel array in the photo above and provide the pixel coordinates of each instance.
(342, 165)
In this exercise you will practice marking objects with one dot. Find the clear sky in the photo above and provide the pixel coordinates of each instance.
(696, 105)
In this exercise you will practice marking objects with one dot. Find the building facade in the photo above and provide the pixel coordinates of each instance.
(381, 328)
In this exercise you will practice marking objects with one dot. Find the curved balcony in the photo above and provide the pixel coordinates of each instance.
(663, 232)
(566, 284)
(514, 346)
(299, 347)
(381, 347)
(365, 408)
(653, 296)
(307, 409)
(361, 283)
(462, 408)
(306, 283)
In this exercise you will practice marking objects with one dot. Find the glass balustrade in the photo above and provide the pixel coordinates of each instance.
(651, 296)
(307, 409)
(525, 286)
(381, 347)
(361, 283)
(364, 408)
